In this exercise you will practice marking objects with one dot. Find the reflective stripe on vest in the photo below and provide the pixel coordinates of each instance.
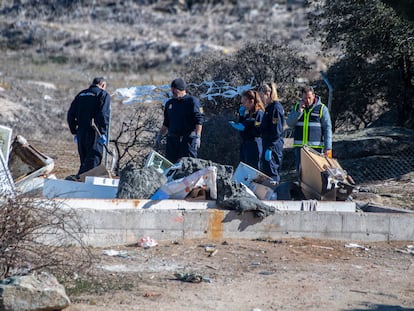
(308, 130)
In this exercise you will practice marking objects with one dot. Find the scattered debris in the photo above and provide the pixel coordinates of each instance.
(268, 240)
(408, 250)
(147, 242)
(192, 277)
(209, 248)
(115, 253)
(151, 294)
(323, 247)
(353, 245)
(213, 253)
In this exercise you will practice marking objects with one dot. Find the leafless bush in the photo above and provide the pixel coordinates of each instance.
(136, 136)
(34, 236)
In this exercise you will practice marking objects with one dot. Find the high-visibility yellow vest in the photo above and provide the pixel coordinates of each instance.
(308, 130)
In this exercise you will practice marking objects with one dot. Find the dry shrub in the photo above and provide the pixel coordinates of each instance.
(136, 135)
(34, 236)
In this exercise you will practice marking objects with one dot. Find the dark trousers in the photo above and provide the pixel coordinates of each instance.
(180, 146)
(249, 153)
(272, 168)
(90, 151)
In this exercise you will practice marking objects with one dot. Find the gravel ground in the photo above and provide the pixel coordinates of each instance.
(297, 274)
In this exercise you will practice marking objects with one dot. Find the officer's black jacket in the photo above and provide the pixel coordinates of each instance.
(92, 104)
(251, 125)
(181, 115)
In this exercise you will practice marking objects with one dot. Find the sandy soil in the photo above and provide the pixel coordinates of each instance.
(299, 274)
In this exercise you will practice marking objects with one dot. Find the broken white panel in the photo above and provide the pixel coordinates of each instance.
(157, 161)
(246, 174)
(258, 182)
(57, 188)
(5, 141)
(101, 181)
(6, 181)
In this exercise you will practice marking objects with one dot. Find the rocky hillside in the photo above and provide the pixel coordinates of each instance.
(52, 49)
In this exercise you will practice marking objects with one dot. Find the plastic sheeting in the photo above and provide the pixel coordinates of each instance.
(180, 188)
(161, 93)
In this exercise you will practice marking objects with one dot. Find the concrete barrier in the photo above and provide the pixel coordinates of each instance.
(123, 222)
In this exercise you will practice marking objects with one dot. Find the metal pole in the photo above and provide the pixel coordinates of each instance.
(330, 88)
(107, 141)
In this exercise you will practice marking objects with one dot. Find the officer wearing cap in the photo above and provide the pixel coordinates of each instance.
(90, 107)
(183, 122)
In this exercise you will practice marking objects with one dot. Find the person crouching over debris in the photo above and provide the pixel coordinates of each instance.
(272, 130)
(250, 117)
(312, 125)
(88, 120)
(183, 123)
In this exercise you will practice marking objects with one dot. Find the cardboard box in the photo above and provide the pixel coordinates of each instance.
(26, 162)
(322, 178)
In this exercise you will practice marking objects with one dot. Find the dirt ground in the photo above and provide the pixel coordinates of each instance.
(294, 274)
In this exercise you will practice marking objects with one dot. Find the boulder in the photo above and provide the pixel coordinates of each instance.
(137, 183)
(36, 292)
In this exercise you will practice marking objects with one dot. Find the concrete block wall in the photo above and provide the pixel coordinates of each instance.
(126, 226)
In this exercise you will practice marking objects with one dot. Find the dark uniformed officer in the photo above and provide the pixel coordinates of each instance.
(250, 117)
(272, 130)
(90, 106)
(183, 122)
(312, 125)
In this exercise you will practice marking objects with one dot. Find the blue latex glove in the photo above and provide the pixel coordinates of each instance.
(102, 140)
(237, 126)
(242, 110)
(268, 155)
(75, 139)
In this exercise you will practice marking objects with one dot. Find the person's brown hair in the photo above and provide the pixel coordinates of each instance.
(307, 89)
(258, 104)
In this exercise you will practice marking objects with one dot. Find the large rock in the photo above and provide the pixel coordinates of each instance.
(137, 183)
(37, 292)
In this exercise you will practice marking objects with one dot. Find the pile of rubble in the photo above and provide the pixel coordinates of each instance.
(29, 172)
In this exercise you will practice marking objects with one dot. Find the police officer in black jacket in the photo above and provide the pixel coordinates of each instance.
(183, 122)
(90, 107)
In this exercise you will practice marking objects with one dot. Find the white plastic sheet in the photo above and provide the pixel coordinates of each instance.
(180, 188)
(161, 93)
(143, 94)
